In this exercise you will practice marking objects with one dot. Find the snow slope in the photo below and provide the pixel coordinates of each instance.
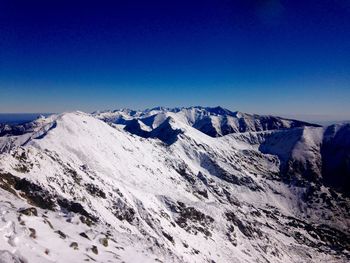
(76, 188)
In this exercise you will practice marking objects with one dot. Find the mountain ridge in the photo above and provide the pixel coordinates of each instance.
(213, 121)
(175, 195)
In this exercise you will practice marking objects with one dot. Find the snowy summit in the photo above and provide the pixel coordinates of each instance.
(195, 184)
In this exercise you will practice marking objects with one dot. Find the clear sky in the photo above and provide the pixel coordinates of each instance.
(263, 56)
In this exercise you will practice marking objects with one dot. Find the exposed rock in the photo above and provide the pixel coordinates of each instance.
(84, 235)
(95, 191)
(191, 219)
(31, 211)
(104, 241)
(123, 212)
(32, 232)
(94, 250)
(76, 208)
(61, 234)
(74, 245)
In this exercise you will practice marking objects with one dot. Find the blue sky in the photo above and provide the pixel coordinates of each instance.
(263, 56)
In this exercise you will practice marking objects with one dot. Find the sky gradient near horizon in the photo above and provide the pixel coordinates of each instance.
(264, 56)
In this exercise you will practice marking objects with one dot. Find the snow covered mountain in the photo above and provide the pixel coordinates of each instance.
(214, 122)
(158, 186)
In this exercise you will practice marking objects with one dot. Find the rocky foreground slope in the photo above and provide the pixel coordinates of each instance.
(156, 187)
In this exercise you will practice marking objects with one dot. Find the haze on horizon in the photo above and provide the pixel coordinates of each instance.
(281, 57)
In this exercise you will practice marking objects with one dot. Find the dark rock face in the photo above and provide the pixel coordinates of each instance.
(95, 191)
(75, 207)
(169, 237)
(94, 249)
(61, 234)
(326, 236)
(29, 211)
(84, 235)
(123, 212)
(8, 182)
(32, 233)
(35, 194)
(104, 241)
(38, 196)
(336, 158)
(246, 228)
(74, 245)
(190, 219)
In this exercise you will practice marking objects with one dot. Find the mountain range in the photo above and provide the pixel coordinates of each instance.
(194, 184)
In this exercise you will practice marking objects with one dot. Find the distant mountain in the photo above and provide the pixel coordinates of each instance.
(214, 122)
(20, 118)
(174, 185)
(12, 127)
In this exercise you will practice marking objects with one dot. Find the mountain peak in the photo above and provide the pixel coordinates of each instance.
(158, 187)
(219, 110)
(213, 121)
